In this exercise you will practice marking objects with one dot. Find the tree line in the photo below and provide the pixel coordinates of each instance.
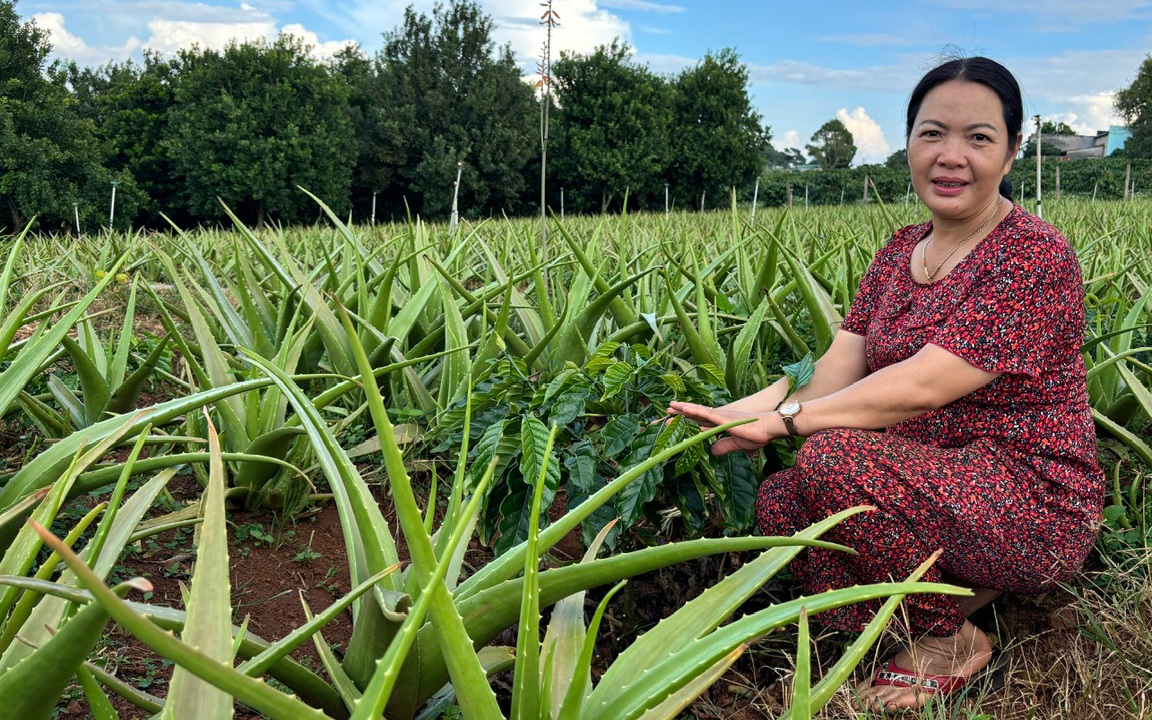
(253, 123)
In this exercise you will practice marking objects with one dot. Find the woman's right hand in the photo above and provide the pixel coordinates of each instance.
(749, 437)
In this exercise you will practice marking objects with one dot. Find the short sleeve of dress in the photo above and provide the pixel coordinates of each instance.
(1012, 321)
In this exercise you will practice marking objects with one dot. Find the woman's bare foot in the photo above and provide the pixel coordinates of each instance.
(960, 655)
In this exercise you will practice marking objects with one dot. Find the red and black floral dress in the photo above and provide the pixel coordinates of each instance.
(1004, 480)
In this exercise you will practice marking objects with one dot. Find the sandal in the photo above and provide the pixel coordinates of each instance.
(892, 674)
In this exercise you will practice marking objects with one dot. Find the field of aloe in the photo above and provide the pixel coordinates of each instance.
(500, 388)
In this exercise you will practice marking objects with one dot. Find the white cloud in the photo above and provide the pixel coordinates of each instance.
(583, 27)
(173, 32)
(790, 139)
(871, 147)
(1089, 114)
(584, 24)
(69, 46)
(323, 50)
(169, 36)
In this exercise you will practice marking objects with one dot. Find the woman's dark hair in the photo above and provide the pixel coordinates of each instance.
(988, 73)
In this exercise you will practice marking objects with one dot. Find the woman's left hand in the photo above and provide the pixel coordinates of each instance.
(748, 437)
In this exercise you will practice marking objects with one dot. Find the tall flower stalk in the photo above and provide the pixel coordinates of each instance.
(550, 19)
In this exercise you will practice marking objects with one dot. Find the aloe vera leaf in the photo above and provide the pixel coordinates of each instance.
(125, 395)
(101, 553)
(21, 553)
(464, 668)
(303, 681)
(98, 703)
(489, 612)
(291, 275)
(217, 363)
(344, 685)
(92, 383)
(32, 688)
(674, 704)
(73, 406)
(48, 465)
(273, 444)
(1126, 436)
(138, 698)
(825, 318)
(392, 665)
(669, 668)
(534, 327)
(526, 678)
(566, 640)
(717, 603)
(118, 366)
(10, 265)
(37, 634)
(578, 690)
(456, 370)
(835, 677)
(209, 606)
(701, 353)
(250, 691)
(801, 706)
(621, 312)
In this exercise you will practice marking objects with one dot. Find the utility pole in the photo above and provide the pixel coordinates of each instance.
(1039, 155)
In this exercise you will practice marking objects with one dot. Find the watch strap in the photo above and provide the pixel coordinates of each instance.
(790, 425)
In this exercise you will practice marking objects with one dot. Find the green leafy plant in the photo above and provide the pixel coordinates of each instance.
(606, 412)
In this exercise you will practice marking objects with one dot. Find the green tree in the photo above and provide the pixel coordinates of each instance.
(718, 139)
(832, 146)
(782, 159)
(442, 96)
(49, 157)
(610, 129)
(897, 160)
(129, 105)
(1135, 104)
(1047, 127)
(1047, 130)
(1048, 149)
(251, 124)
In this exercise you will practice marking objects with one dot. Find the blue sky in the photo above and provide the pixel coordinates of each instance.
(808, 61)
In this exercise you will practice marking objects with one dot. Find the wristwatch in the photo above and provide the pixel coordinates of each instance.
(788, 411)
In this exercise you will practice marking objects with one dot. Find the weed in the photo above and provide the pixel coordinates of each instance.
(307, 554)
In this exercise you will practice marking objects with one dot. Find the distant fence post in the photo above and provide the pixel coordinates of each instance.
(755, 195)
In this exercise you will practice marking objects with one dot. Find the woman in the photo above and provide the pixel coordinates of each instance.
(963, 347)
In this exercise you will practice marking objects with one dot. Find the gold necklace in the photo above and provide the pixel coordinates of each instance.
(974, 233)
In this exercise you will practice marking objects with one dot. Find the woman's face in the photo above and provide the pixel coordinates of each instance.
(960, 150)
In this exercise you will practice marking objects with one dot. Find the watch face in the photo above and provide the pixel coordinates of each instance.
(790, 408)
